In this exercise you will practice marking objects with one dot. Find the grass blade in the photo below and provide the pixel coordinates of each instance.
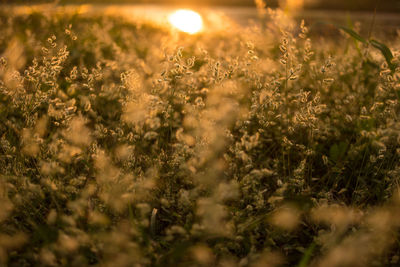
(305, 260)
(352, 33)
(385, 52)
(384, 49)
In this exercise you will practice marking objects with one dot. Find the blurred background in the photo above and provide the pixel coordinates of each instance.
(381, 5)
(376, 16)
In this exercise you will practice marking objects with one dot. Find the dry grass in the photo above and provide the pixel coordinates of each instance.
(125, 144)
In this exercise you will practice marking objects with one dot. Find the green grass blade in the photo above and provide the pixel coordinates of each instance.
(352, 33)
(350, 26)
(385, 52)
(305, 260)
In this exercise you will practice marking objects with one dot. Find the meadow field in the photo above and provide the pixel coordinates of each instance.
(129, 143)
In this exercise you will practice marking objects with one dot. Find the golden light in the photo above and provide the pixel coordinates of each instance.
(292, 5)
(186, 20)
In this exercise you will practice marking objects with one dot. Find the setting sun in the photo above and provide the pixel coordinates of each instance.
(186, 20)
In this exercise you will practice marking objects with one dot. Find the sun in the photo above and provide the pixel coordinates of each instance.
(186, 20)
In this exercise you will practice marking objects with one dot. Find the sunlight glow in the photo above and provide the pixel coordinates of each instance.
(293, 5)
(186, 20)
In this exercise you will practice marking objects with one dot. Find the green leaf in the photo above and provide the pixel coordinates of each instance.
(384, 49)
(350, 26)
(305, 260)
(385, 52)
(352, 33)
(378, 45)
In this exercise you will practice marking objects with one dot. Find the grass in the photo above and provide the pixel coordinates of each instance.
(128, 144)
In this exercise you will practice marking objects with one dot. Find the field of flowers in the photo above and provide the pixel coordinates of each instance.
(129, 144)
